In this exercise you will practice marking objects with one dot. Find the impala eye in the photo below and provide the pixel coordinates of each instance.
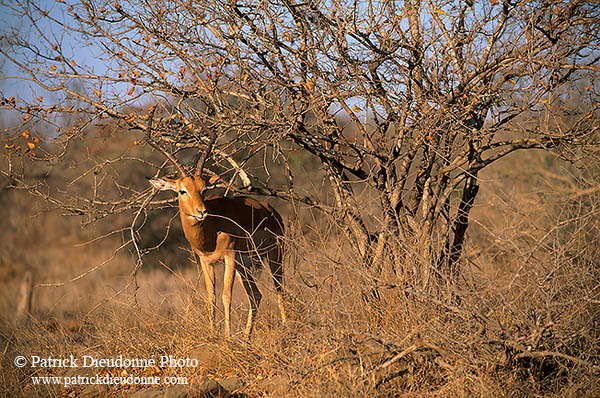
(182, 192)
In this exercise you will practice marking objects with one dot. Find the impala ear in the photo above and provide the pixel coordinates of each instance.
(163, 184)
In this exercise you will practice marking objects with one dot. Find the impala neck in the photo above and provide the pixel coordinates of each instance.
(197, 233)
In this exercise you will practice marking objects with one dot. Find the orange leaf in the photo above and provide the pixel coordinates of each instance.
(31, 145)
(40, 98)
(98, 93)
(147, 39)
(136, 73)
(182, 71)
(53, 67)
(25, 117)
(58, 129)
(102, 9)
(131, 90)
(73, 63)
(163, 75)
(25, 134)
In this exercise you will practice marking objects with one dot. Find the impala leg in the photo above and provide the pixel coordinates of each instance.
(227, 290)
(208, 270)
(254, 295)
(276, 265)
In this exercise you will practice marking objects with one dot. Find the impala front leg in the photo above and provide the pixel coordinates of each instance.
(227, 290)
(208, 270)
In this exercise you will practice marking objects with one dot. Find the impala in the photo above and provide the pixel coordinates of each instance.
(241, 231)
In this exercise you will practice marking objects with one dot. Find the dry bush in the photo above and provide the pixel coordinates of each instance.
(522, 320)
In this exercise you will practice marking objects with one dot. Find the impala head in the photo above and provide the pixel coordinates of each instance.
(189, 188)
(190, 191)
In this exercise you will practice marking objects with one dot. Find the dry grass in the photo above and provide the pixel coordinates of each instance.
(524, 319)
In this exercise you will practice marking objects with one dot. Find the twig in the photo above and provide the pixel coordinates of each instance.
(395, 358)
(542, 354)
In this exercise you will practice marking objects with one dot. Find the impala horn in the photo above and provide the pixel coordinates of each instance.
(160, 149)
(204, 156)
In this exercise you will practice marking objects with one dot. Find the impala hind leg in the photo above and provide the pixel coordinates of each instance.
(254, 296)
(276, 264)
(208, 270)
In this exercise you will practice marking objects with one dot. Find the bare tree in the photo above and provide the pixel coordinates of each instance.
(409, 100)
